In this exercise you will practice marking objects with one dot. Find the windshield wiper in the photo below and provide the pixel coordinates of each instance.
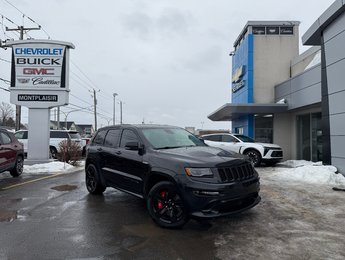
(173, 147)
(168, 147)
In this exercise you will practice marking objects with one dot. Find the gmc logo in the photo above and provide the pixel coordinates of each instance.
(34, 71)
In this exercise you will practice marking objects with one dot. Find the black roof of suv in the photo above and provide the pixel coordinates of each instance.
(177, 174)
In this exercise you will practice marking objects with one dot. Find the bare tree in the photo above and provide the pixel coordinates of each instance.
(6, 112)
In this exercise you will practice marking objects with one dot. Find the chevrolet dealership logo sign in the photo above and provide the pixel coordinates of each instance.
(237, 79)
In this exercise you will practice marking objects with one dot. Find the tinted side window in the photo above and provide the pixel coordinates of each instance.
(4, 138)
(99, 139)
(21, 135)
(228, 138)
(58, 134)
(215, 138)
(128, 136)
(112, 138)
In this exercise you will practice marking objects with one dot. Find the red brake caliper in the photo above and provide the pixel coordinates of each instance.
(160, 204)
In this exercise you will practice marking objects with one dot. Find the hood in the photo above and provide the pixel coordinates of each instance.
(269, 145)
(201, 156)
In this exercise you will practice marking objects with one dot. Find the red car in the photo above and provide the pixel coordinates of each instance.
(11, 154)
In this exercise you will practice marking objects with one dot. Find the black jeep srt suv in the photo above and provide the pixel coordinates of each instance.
(177, 174)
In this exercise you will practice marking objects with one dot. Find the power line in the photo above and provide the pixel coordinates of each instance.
(5, 89)
(6, 81)
(24, 15)
(94, 85)
(87, 85)
(90, 111)
(5, 60)
(8, 19)
(82, 100)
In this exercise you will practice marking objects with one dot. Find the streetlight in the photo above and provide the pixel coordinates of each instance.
(121, 103)
(74, 110)
(114, 95)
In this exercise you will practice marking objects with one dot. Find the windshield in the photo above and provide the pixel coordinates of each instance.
(245, 139)
(165, 138)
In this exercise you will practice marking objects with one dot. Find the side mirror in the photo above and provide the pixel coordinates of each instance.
(135, 146)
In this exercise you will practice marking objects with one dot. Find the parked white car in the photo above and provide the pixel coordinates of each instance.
(56, 136)
(257, 152)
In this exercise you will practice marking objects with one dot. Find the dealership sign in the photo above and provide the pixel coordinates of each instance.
(39, 73)
(237, 79)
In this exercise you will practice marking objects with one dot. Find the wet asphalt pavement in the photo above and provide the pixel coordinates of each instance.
(56, 218)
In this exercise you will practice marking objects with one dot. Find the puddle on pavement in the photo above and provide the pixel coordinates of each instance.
(65, 187)
(7, 215)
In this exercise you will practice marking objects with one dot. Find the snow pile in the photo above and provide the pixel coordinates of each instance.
(310, 172)
(298, 163)
(49, 168)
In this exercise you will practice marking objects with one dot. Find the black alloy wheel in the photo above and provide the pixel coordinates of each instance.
(18, 167)
(92, 180)
(254, 157)
(165, 205)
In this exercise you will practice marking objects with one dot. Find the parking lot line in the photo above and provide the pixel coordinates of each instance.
(35, 180)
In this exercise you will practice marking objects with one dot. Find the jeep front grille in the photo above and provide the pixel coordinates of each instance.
(236, 173)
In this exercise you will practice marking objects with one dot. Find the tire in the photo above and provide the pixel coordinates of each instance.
(165, 206)
(53, 152)
(254, 157)
(18, 167)
(92, 180)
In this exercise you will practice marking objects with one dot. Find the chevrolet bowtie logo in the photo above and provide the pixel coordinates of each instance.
(239, 73)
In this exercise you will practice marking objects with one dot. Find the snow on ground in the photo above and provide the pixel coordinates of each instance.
(309, 172)
(292, 171)
(51, 168)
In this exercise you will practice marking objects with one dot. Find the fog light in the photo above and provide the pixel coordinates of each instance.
(206, 193)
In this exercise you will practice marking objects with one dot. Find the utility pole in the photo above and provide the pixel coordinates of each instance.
(58, 118)
(95, 107)
(114, 95)
(21, 30)
(121, 112)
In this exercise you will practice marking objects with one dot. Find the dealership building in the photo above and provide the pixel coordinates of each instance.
(294, 100)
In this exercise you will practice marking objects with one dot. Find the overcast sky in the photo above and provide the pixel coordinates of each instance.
(167, 60)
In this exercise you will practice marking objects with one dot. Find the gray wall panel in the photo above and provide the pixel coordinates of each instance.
(282, 90)
(336, 27)
(336, 103)
(340, 164)
(333, 47)
(306, 96)
(338, 146)
(335, 77)
(306, 79)
(302, 90)
(337, 123)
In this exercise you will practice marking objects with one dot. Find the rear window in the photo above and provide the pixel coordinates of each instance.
(112, 138)
(58, 134)
(214, 138)
(99, 138)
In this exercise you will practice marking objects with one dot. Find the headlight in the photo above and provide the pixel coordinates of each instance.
(266, 149)
(199, 172)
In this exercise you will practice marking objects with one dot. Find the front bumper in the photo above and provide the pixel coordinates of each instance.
(216, 200)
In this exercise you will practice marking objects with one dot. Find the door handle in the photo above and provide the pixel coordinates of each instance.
(118, 152)
(99, 149)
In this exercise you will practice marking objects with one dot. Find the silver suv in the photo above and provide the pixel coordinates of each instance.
(56, 136)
